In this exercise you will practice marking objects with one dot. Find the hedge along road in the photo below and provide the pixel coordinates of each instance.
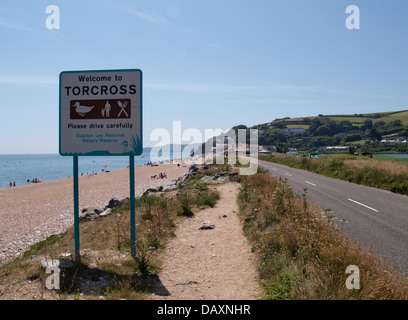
(376, 219)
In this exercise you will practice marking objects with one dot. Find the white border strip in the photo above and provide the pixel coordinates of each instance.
(361, 204)
(311, 183)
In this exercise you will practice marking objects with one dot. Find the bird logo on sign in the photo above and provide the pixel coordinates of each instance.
(81, 110)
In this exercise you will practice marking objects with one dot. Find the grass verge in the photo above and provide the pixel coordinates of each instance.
(302, 255)
(383, 174)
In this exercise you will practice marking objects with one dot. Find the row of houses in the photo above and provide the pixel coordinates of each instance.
(335, 148)
(398, 140)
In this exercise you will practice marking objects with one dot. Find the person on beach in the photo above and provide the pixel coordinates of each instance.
(11, 184)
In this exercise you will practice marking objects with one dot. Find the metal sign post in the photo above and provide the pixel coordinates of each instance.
(101, 115)
(132, 205)
(76, 207)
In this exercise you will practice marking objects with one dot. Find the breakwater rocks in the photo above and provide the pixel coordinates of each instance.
(182, 181)
(92, 213)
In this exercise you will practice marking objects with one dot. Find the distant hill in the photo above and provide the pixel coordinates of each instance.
(355, 119)
(364, 131)
(309, 133)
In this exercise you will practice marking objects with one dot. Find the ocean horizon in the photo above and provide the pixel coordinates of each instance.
(22, 169)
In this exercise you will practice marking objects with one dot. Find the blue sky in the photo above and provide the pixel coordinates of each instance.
(209, 64)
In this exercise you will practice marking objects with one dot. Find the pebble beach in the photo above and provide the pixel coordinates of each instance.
(31, 213)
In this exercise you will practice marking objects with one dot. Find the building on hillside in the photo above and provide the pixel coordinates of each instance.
(398, 140)
(294, 130)
(292, 153)
(335, 148)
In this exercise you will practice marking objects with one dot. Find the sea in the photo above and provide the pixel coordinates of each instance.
(22, 169)
(395, 155)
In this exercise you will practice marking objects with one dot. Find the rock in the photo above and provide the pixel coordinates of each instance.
(114, 202)
(220, 174)
(185, 184)
(93, 209)
(183, 177)
(206, 179)
(170, 186)
(105, 213)
(88, 215)
(187, 283)
(66, 255)
(151, 190)
(223, 179)
(172, 183)
(207, 227)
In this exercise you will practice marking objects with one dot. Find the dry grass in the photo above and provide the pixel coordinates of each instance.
(303, 255)
(387, 175)
(389, 167)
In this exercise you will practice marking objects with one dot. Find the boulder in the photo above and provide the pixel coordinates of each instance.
(223, 179)
(206, 179)
(151, 190)
(105, 213)
(170, 186)
(114, 202)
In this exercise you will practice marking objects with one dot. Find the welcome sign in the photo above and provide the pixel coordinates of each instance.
(101, 112)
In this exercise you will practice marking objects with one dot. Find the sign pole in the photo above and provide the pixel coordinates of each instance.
(76, 207)
(132, 205)
(100, 114)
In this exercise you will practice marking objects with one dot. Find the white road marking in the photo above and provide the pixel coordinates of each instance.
(311, 183)
(362, 204)
(289, 175)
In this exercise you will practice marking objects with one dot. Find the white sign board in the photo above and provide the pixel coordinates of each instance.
(101, 112)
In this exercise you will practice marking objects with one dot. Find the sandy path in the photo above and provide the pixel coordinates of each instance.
(30, 213)
(210, 264)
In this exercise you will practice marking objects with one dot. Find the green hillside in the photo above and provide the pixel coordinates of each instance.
(355, 119)
(365, 132)
(361, 130)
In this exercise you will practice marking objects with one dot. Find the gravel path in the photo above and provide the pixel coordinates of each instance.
(210, 264)
(31, 213)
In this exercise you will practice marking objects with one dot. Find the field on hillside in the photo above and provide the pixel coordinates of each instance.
(354, 119)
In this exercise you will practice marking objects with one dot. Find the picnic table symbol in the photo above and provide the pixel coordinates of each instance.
(122, 108)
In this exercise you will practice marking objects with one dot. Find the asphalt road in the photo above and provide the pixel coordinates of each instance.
(377, 219)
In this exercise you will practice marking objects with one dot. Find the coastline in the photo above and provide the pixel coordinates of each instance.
(31, 213)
